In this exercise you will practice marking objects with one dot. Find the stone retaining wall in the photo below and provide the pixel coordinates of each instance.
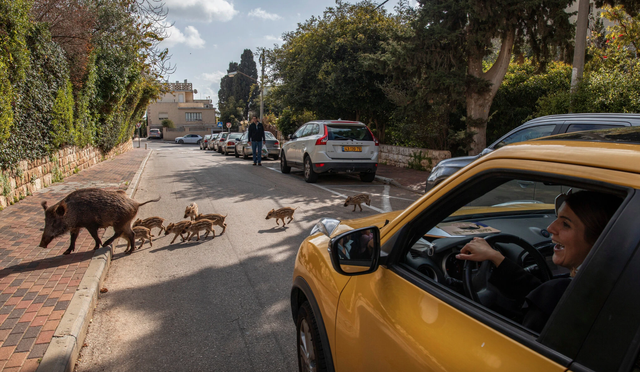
(410, 157)
(31, 176)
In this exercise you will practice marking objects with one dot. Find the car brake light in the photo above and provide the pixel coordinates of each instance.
(323, 140)
(276, 144)
(375, 140)
(320, 165)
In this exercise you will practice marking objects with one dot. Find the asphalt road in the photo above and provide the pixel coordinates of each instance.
(220, 304)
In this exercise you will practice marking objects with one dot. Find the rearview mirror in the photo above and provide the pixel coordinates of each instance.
(356, 252)
(292, 136)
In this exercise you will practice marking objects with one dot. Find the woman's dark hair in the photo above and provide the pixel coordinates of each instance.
(594, 209)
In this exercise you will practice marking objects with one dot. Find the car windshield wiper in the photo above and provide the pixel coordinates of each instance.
(335, 136)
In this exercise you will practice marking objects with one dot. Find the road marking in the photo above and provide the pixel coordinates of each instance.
(386, 203)
(373, 193)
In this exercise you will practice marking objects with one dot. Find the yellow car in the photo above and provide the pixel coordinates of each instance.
(391, 293)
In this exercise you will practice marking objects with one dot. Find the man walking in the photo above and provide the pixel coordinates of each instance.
(256, 139)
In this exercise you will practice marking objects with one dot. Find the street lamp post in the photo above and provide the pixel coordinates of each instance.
(234, 73)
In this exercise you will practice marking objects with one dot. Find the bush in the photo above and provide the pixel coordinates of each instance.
(168, 123)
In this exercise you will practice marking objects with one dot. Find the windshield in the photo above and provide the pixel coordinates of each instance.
(235, 136)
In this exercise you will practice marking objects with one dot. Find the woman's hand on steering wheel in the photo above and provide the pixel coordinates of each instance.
(479, 250)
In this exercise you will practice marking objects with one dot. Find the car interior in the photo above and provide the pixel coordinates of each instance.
(512, 214)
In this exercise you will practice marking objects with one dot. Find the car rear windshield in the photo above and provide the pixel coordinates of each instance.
(154, 130)
(341, 132)
(269, 136)
(235, 136)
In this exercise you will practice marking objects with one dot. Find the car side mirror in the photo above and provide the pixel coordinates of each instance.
(486, 151)
(292, 136)
(356, 252)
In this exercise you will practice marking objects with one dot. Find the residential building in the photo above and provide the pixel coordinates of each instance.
(188, 114)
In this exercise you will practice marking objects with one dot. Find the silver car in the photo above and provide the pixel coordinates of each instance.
(205, 142)
(217, 144)
(189, 138)
(272, 147)
(229, 144)
(212, 140)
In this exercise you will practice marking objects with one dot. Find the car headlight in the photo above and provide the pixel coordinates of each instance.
(325, 226)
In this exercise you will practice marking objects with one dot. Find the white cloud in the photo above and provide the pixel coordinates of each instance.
(201, 10)
(259, 13)
(273, 38)
(190, 37)
(213, 77)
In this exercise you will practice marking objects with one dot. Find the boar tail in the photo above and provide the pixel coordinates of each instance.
(150, 201)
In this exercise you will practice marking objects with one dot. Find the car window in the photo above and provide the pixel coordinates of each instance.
(527, 134)
(518, 211)
(269, 136)
(315, 130)
(307, 130)
(300, 131)
(342, 132)
(581, 127)
(235, 135)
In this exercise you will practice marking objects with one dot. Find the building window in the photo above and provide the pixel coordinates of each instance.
(194, 116)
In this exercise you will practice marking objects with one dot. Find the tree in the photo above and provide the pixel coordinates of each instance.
(168, 123)
(319, 67)
(241, 88)
(441, 53)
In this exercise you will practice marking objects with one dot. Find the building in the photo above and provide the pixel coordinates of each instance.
(188, 114)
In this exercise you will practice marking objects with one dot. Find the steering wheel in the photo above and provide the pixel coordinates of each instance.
(476, 280)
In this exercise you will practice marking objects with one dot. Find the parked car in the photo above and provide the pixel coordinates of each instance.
(271, 148)
(212, 141)
(155, 133)
(220, 141)
(205, 142)
(538, 127)
(329, 146)
(390, 294)
(189, 138)
(229, 144)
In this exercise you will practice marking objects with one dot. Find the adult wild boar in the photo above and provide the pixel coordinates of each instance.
(92, 209)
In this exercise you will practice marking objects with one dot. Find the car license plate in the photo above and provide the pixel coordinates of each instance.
(351, 148)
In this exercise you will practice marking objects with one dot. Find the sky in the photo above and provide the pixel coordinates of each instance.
(206, 35)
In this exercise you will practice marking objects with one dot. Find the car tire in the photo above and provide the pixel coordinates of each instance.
(309, 175)
(309, 345)
(236, 153)
(244, 154)
(226, 152)
(284, 168)
(181, 142)
(367, 177)
(199, 141)
(276, 157)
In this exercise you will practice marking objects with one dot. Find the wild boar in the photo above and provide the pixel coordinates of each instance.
(92, 209)
(191, 211)
(356, 200)
(280, 214)
(178, 228)
(217, 219)
(143, 234)
(150, 223)
(197, 226)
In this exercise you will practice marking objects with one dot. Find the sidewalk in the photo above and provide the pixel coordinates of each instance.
(37, 285)
(40, 288)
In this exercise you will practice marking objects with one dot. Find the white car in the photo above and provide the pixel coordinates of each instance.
(189, 138)
(330, 146)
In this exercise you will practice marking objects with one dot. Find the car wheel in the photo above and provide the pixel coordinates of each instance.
(244, 154)
(199, 142)
(236, 153)
(310, 352)
(226, 152)
(181, 142)
(367, 177)
(284, 168)
(276, 156)
(309, 175)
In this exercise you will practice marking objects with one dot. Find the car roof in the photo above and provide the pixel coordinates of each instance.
(616, 149)
(342, 122)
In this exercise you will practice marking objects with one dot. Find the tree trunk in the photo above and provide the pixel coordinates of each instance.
(479, 102)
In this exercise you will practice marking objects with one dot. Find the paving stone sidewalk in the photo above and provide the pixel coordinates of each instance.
(36, 284)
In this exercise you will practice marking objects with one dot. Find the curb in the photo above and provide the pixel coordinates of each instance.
(64, 349)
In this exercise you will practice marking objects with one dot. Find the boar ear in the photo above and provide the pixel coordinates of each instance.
(62, 209)
(44, 205)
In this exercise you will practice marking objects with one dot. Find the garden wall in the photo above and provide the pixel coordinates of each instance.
(31, 176)
(411, 157)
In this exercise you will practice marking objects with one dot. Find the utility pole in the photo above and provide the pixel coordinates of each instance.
(262, 87)
(581, 41)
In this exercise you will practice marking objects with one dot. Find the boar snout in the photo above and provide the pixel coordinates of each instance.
(44, 242)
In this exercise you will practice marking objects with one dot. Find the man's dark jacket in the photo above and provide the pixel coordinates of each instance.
(256, 132)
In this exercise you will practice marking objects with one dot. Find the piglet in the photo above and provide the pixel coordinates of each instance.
(92, 209)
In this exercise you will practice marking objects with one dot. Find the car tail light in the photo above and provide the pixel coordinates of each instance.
(277, 143)
(375, 140)
(323, 140)
(230, 143)
(320, 165)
